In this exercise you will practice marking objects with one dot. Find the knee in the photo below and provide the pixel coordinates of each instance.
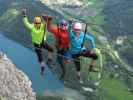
(51, 50)
(94, 56)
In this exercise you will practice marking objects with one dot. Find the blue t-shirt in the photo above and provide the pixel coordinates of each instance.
(76, 42)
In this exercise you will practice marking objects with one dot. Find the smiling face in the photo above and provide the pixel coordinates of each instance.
(37, 25)
(63, 26)
(37, 22)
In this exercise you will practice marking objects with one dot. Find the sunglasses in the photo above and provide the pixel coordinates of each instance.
(63, 24)
(37, 23)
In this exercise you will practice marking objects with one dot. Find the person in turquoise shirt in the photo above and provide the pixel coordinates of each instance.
(38, 35)
(77, 37)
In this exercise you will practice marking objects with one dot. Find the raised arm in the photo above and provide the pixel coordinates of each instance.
(70, 29)
(25, 20)
(50, 27)
(91, 40)
(27, 23)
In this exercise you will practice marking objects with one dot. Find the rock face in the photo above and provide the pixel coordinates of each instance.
(69, 7)
(59, 2)
(14, 84)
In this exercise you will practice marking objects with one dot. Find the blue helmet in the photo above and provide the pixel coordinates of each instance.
(63, 23)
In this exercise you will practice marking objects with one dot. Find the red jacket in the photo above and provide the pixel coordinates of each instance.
(62, 38)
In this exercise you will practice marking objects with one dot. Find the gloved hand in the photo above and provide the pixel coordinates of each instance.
(46, 17)
(24, 12)
(70, 20)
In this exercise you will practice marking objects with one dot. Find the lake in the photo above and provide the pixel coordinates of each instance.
(26, 60)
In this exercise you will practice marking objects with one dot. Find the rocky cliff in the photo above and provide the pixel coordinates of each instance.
(14, 84)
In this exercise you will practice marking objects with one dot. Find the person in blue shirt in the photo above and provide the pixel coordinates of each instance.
(76, 36)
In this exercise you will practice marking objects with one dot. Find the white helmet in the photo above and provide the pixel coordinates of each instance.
(77, 25)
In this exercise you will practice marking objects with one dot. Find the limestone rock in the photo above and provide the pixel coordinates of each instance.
(14, 84)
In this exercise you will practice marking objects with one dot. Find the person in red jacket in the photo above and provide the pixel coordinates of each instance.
(62, 40)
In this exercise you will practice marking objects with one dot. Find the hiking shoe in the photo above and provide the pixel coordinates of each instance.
(42, 70)
(81, 81)
(88, 89)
